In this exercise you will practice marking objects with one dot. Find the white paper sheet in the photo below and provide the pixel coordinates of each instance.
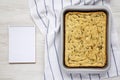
(21, 44)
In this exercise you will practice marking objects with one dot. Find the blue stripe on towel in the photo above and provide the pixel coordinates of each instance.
(58, 59)
(99, 76)
(54, 41)
(90, 76)
(49, 54)
(80, 76)
(102, 2)
(108, 74)
(71, 76)
(114, 60)
(45, 7)
(39, 14)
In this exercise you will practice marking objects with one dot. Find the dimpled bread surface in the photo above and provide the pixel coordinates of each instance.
(85, 39)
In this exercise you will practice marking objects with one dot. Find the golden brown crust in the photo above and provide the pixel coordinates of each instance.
(85, 39)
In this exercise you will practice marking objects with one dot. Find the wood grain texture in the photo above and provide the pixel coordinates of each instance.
(16, 13)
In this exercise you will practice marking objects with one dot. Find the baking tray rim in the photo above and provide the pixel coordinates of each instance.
(87, 8)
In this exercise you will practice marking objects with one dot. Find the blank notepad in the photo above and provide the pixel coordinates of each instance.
(21, 44)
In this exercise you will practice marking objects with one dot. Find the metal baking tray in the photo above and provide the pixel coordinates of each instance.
(109, 22)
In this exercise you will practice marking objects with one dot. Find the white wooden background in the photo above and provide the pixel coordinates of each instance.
(16, 13)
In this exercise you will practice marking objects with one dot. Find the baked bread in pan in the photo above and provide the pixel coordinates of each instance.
(85, 39)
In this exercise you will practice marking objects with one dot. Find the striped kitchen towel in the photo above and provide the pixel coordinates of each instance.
(46, 15)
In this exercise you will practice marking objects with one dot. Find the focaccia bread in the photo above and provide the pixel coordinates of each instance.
(85, 39)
